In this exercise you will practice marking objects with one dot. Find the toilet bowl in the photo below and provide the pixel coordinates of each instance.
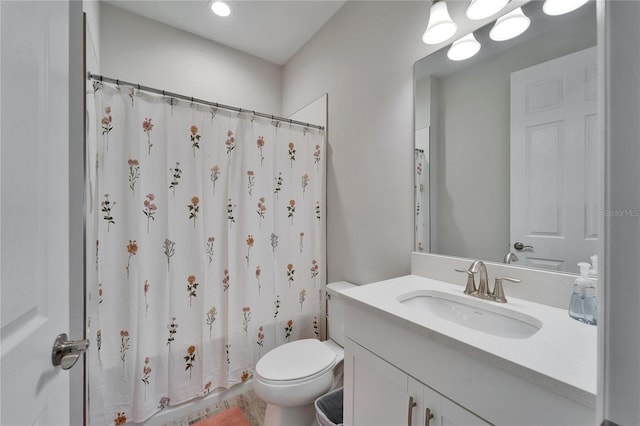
(290, 377)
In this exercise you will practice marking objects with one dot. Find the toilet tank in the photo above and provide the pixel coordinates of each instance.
(335, 311)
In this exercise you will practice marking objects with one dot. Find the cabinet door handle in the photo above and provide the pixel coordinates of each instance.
(427, 416)
(412, 404)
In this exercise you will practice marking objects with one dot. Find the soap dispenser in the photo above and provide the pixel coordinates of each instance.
(576, 306)
(590, 301)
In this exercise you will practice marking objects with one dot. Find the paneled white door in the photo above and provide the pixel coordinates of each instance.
(34, 209)
(554, 152)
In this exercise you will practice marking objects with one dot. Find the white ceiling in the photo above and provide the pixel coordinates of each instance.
(269, 29)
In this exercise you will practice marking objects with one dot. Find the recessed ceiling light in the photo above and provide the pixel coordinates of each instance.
(220, 8)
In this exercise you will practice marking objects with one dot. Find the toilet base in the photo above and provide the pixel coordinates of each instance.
(304, 415)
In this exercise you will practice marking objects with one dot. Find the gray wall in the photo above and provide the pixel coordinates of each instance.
(363, 58)
(472, 162)
(139, 50)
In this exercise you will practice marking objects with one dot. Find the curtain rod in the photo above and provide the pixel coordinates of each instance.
(101, 78)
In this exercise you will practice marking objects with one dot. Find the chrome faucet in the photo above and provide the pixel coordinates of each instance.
(483, 292)
(483, 288)
(477, 266)
(510, 257)
(498, 291)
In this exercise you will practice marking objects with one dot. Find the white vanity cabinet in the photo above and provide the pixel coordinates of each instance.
(379, 394)
(392, 356)
(444, 411)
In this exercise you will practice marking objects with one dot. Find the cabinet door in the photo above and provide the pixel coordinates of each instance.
(376, 392)
(433, 409)
(428, 412)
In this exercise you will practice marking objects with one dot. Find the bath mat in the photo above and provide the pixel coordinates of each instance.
(252, 408)
(230, 417)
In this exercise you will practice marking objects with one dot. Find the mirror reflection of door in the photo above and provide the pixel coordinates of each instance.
(554, 169)
(466, 105)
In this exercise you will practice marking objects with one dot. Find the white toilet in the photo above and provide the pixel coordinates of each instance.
(290, 377)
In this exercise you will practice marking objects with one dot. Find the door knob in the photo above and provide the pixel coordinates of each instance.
(519, 246)
(65, 353)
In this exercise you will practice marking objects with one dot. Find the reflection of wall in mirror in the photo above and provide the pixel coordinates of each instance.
(470, 210)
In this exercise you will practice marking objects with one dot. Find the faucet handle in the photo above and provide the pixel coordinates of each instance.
(498, 291)
(471, 282)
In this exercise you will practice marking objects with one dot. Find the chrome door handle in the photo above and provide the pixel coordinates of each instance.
(519, 246)
(412, 404)
(65, 353)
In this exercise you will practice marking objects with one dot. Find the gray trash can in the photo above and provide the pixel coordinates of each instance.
(329, 408)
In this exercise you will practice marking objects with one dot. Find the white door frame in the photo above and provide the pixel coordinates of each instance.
(77, 314)
(619, 289)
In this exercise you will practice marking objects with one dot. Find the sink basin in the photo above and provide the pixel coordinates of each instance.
(472, 313)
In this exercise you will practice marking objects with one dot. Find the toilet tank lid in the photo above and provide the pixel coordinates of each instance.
(338, 286)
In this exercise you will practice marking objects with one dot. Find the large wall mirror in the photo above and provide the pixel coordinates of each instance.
(507, 143)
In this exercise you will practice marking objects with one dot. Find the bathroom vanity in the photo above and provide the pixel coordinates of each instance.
(420, 352)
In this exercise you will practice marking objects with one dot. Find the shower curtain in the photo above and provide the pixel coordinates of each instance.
(209, 248)
(421, 196)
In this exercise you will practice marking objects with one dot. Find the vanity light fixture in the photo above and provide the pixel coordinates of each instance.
(510, 25)
(464, 48)
(560, 7)
(440, 27)
(220, 8)
(480, 9)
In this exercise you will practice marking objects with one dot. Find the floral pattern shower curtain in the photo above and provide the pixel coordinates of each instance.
(421, 196)
(209, 248)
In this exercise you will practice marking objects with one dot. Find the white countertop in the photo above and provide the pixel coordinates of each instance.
(563, 350)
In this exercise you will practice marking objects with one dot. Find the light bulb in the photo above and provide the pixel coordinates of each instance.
(440, 27)
(463, 48)
(480, 9)
(220, 8)
(510, 25)
(560, 7)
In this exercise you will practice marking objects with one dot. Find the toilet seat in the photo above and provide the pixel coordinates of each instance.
(296, 362)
